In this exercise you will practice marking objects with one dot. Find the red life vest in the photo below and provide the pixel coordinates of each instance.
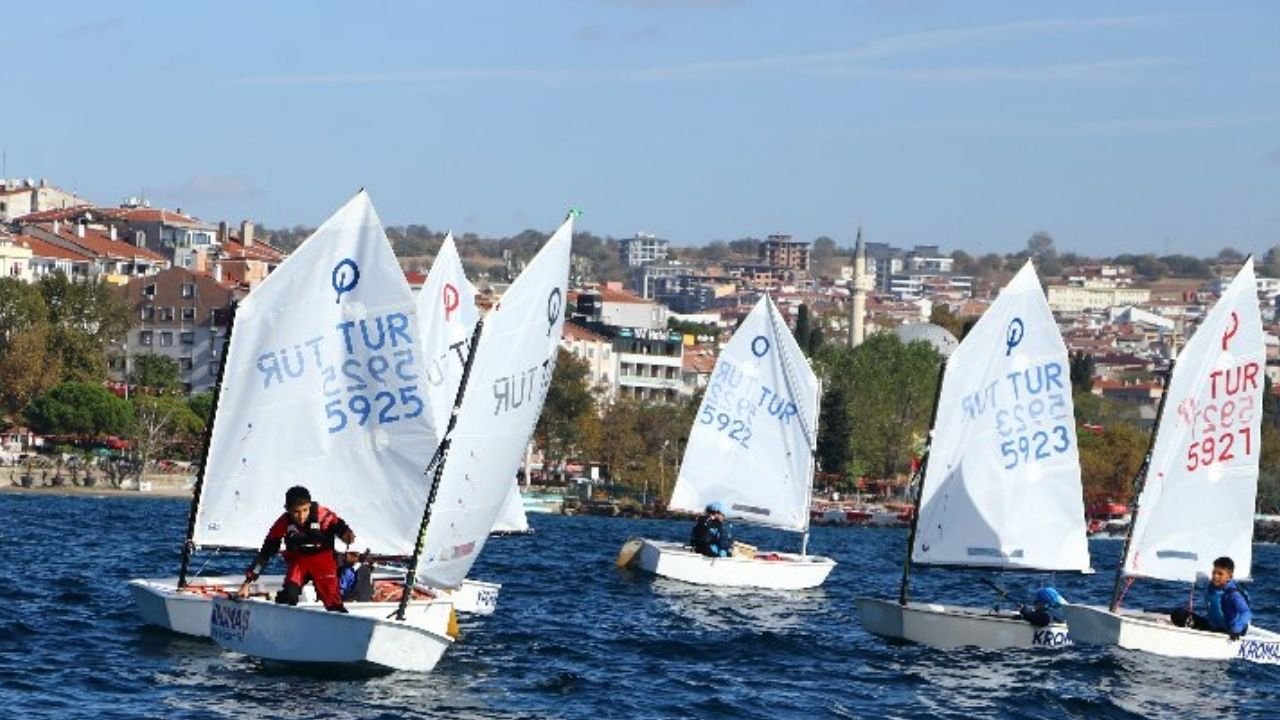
(314, 536)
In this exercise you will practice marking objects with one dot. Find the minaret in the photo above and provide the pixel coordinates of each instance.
(858, 312)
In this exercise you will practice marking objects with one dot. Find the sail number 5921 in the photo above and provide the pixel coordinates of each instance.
(1222, 448)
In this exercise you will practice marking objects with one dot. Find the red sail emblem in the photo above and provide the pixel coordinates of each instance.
(1231, 331)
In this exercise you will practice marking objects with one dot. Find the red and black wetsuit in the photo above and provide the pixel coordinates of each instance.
(308, 554)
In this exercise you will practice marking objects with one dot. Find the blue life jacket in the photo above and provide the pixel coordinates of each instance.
(1228, 608)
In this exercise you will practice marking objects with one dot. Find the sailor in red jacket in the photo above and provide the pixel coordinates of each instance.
(308, 530)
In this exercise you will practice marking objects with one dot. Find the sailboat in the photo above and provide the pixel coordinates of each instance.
(1000, 485)
(751, 448)
(447, 313)
(503, 386)
(278, 379)
(512, 520)
(1198, 486)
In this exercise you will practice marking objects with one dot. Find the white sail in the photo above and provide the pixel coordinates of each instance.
(509, 378)
(446, 315)
(751, 446)
(1197, 502)
(512, 519)
(1002, 487)
(323, 388)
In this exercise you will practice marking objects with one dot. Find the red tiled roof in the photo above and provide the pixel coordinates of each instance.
(100, 244)
(621, 296)
(237, 250)
(64, 214)
(43, 249)
(573, 331)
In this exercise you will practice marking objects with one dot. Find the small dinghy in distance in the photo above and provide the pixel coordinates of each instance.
(1198, 487)
(751, 448)
(1000, 484)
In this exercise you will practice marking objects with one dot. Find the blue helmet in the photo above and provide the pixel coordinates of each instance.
(1049, 597)
(716, 507)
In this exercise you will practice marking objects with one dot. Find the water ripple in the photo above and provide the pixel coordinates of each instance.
(574, 637)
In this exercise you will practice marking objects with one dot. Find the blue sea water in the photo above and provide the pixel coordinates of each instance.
(574, 637)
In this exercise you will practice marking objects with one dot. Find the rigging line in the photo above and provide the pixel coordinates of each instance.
(437, 473)
(788, 377)
(188, 545)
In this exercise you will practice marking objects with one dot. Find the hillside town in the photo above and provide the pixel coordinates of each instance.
(648, 334)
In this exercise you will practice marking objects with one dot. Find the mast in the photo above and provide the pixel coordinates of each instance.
(813, 468)
(436, 469)
(187, 545)
(1140, 482)
(924, 467)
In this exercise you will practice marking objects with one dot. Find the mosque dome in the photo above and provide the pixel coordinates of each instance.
(939, 337)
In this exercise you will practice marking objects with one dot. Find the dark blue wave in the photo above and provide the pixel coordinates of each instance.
(574, 637)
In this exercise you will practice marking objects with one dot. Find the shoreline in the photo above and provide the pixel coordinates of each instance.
(162, 486)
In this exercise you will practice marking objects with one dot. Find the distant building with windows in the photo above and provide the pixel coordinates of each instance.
(642, 249)
(180, 314)
(784, 253)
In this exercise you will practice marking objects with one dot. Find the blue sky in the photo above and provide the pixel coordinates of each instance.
(1115, 126)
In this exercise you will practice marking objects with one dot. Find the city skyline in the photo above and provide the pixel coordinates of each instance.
(1114, 127)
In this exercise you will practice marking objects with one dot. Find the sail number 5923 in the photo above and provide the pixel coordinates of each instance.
(1040, 445)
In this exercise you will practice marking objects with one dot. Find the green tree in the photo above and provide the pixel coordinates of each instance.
(889, 388)
(803, 329)
(942, 316)
(21, 307)
(86, 316)
(158, 372)
(163, 425)
(202, 405)
(824, 257)
(1110, 460)
(27, 366)
(76, 408)
(1082, 371)
(834, 447)
(568, 398)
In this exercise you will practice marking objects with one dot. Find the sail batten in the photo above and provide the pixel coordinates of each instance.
(1197, 500)
(751, 446)
(1002, 487)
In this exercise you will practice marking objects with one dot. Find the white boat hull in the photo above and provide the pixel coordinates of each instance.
(312, 635)
(162, 604)
(951, 626)
(782, 571)
(1154, 633)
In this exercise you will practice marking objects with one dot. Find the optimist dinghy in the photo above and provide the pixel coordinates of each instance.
(1000, 485)
(479, 451)
(751, 448)
(1198, 487)
(384, 399)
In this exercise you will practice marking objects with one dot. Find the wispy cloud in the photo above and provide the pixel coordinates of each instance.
(679, 3)
(1124, 69)
(91, 28)
(857, 60)
(613, 36)
(1114, 126)
(209, 188)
